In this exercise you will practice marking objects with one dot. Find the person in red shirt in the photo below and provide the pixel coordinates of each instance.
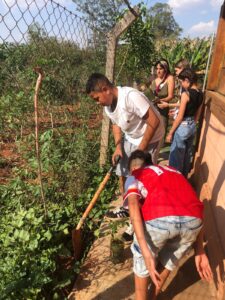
(167, 219)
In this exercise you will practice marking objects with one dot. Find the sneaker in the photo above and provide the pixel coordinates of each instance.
(118, 213)
(127, 237)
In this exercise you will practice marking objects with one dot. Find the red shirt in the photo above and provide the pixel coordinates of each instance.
(165, 192)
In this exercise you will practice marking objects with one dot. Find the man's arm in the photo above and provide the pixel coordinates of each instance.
(152, 122)
(117, 134)
(136, 220)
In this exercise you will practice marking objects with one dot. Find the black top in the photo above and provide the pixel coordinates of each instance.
(196, 98)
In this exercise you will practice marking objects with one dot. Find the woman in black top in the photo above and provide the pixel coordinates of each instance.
(183, 129)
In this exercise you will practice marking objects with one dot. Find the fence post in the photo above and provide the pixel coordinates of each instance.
(112, 38)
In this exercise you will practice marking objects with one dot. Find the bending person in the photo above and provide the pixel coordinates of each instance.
(131, 114)
(167, 219)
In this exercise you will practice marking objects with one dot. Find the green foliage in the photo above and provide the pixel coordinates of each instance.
(36, 251)
(29, 246)
(102, 14)
(32, 246)
(66, 66)
(136, 50)
(196, 51)
(162, 21)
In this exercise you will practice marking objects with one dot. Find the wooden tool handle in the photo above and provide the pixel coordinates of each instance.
(94, 199)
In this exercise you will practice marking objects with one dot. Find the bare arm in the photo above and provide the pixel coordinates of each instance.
(163, 104)
(136, 220)
(152, 121)
(201, 259)
(180, 116)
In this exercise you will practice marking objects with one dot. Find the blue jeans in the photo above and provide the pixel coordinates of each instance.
(181, 148)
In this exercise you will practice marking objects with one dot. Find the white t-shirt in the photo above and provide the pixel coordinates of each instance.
(131, 107)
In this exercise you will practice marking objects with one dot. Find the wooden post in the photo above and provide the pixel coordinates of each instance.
(112, 38)
(218, 55)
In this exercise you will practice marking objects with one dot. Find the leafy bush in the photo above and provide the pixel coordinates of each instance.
(33, 245)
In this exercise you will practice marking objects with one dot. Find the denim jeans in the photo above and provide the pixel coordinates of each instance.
(169, 239)
(127, 149)
(181, 148)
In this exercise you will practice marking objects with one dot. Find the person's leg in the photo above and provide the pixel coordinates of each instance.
(188, 156)
(165, 122)
(154, 149)
(177, 149)
(122, 180)
(156, 235)
(189, 150)
(164, 273)
(141, 287)
(121, 168)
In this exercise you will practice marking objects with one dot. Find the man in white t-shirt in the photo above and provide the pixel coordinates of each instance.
(136, 124)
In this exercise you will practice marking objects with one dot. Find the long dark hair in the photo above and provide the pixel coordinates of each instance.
(189, 74)
(163, 64)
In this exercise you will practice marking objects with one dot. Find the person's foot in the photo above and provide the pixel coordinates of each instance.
(118, 213)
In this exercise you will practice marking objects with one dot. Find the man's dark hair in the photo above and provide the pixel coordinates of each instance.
(145, 156)
(189, 74)
(96, 81)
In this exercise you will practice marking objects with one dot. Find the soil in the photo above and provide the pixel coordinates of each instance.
(8, 159)
(54, 118)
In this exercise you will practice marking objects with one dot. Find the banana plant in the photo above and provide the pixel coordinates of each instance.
(196, 51)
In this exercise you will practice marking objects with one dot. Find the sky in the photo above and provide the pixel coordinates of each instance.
(197, 18)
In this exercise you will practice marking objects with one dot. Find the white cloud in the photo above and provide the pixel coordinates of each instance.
(216, 3)
(202, 29)
(178, 4)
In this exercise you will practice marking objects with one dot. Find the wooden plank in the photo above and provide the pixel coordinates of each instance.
(216, 104)
(221, 86)
(219, 53)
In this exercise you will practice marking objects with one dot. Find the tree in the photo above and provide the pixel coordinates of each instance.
(136, 51)
(102, 14)
(163, 22)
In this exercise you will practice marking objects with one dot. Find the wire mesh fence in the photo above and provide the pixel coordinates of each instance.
(46, 34)
(68, 49)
